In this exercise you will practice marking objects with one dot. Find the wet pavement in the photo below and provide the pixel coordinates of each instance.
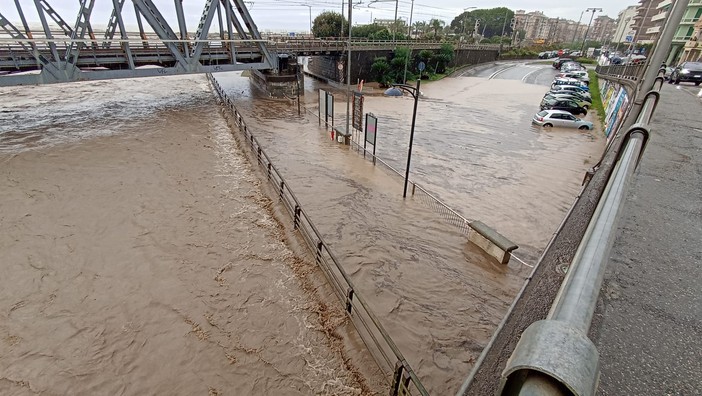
(649, 328)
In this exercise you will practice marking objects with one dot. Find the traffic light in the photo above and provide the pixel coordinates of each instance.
(513, 24)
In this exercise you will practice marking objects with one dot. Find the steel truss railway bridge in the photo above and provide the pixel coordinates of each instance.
(59, 52)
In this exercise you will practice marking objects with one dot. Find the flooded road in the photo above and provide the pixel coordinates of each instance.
(142, 255)
(439, 297)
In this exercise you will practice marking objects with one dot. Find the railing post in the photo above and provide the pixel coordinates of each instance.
(296, 217)
(349, 299)
(282, 187)
(318, 256)
(270, 167)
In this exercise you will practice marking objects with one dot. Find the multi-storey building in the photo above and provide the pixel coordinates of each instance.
(642, 21)
(693, 47)
(684, 32)
(602, 29)
(625, 30)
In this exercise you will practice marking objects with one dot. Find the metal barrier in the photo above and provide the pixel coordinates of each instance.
(555, 356)
(629, 72)
(402, 379)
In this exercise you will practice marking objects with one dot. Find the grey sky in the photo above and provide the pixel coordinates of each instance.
(279, 15)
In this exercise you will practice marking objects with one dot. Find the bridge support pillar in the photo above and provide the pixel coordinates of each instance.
(286, 82)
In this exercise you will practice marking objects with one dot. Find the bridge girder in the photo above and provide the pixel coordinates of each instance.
(49, 56)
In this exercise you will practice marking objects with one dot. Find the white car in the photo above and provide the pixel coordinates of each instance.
(560, 118)
(572, 88)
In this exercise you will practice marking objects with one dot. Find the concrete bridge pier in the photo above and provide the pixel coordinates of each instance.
(287, 81)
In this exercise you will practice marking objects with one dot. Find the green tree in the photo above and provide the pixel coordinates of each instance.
(380, 69)
(491, 21)
(443, 58)
(367, 30)
(436, 26)
(329, 24)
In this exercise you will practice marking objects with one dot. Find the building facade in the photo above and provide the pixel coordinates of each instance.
(602, 29)
(625, 30)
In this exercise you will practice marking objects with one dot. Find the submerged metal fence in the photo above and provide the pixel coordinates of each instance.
(402, 379)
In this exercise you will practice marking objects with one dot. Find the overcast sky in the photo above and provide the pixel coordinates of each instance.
(279, 15)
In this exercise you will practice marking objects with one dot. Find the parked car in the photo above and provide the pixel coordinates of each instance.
(558, 62)
(687, 72)
(571, 88)
(559, 118)
(581, 101)
(566, 81)
(580, 75)
(571, 66)
(575, 54)
(570, 106)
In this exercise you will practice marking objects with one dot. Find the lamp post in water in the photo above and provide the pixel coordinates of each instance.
(414, 91)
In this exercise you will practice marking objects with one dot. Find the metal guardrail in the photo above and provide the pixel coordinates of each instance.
(402, 379)
(555, 356)
(629, 72)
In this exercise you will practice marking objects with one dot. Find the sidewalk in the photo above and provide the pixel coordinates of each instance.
(649, 323)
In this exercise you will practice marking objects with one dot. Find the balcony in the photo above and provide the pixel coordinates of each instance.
(664, 3)
(692, 44)
(688, 21)
(691, 2)
(655, 29)
(659, 16)
(681, 39)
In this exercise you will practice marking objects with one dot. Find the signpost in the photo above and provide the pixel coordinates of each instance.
(371, 129)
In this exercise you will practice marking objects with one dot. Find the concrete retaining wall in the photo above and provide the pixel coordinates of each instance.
(327, 66)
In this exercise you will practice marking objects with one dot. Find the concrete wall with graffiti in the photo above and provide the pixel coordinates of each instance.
(615, 100)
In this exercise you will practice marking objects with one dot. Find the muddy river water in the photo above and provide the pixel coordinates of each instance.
(139, 254)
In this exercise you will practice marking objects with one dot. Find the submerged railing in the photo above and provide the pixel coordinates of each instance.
(402, 379)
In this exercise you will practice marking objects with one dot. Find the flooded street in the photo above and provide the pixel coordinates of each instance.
(143, 258)
(439, 297)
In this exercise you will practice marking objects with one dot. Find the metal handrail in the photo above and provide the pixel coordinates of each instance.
(563, 334)
(390, 360)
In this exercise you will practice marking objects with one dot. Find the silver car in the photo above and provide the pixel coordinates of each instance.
(560, 118)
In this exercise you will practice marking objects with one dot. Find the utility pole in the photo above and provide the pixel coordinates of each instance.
(504, 23)
(394, 25)
(577, 27)
(594, 10)
(409, 37)
(348, 75)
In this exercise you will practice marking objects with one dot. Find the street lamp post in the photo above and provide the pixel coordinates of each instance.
(414, 91)
(504, 23)
(594, 10)
(577, 27)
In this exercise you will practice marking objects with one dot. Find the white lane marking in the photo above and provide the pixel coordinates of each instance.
(493, 75)
(529, 74)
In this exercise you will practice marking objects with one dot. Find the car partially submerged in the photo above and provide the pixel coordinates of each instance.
(559, 118)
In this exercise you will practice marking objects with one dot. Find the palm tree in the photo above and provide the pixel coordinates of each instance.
(419, 28)
(436, 25)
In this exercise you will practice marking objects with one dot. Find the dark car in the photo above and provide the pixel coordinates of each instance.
(563, 104)
(558, 62)
(687, 72)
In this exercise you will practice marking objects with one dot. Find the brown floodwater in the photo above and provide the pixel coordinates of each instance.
(142, 257)
(475, 148)
(139, 255)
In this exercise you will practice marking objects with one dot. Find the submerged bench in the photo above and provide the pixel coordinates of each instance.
(491, 241)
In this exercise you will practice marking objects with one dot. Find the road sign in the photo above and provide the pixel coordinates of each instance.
(421, 66)
(629, 39)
